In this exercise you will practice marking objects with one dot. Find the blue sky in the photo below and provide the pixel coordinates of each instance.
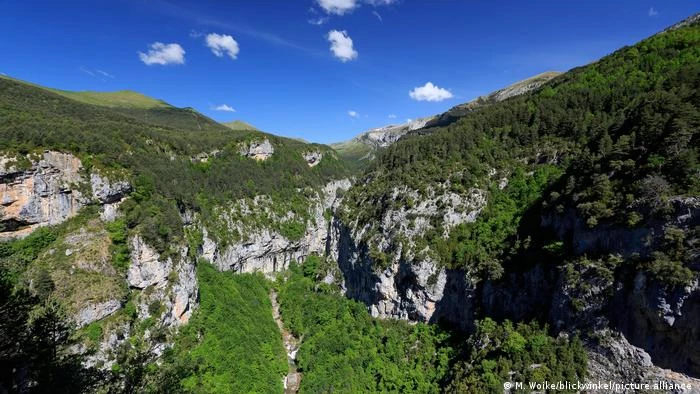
(285, 77)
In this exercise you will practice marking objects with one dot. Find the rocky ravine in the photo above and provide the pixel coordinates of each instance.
(659, 323)
(292, 380)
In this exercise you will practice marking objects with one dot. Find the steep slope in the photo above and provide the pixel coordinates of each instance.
(575, 204)
(123, 202)
(120, 99)
(240, 125)
(362, 149)
(516, 89)
(145, 109)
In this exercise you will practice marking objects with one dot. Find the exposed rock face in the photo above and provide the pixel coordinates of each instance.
(44, 194)
(94, 312)
(204, 156)
(49, 192)
(384, 136)
(413, 286)
(267, 251)
(258, 150)
(313, 158)
(613, 358)
(145, 269)
(106, 191)
(665, 322)
(660, 320)
(625, 241)
(172, 284)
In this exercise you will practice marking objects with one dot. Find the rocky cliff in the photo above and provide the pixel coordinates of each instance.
(47, 189)
(261, 248)
(407, 283)
(628, 308)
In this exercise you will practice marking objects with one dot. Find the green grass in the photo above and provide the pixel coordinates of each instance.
(355, 154)
(119, 99)
(240, 125)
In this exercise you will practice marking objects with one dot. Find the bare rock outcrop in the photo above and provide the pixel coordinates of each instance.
(96, 311)
(49, 190)
(257, 149)
(46, 193)
(171, 283)
(313, 158)
(266, 250)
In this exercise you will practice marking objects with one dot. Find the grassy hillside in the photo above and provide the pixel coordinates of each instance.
(240, 125)
(120, 99)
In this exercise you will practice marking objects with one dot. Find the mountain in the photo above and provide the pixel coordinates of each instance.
(560, 205)
(120, 99)
(240, 125)
(363, 147)
(516, 89)
(546, 232)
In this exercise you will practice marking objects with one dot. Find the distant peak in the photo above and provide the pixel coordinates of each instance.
(691, 20)
(240, 125)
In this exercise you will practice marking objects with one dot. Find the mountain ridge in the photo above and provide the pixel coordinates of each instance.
(362, 147)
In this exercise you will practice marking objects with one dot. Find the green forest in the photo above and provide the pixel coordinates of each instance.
(614, 143)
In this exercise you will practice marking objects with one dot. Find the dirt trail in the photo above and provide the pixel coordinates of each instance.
(291, 346)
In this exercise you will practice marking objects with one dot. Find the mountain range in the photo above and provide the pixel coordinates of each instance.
(546, 232)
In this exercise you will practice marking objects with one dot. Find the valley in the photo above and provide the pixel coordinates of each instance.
(548, 231)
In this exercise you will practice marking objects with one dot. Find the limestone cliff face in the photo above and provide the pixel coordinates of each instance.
(257, 149)
(49, 190)
(653, 320)
(173, 284)
(43, 194)
(412, 285)
(313, 158)
(264, 250)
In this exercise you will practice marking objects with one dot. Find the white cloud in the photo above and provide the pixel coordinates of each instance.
(96, 73)
(653, 12)
(380, 2)
(104, 73)
(195, 33)
(375, 13)
(341, 45)
(353, 114)
(221, 44)
(224, 108)
(392, 116)
(429, 92)
(341, 7)
(86, 71)
(318, 21)
(338, 7)
(163, 54)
